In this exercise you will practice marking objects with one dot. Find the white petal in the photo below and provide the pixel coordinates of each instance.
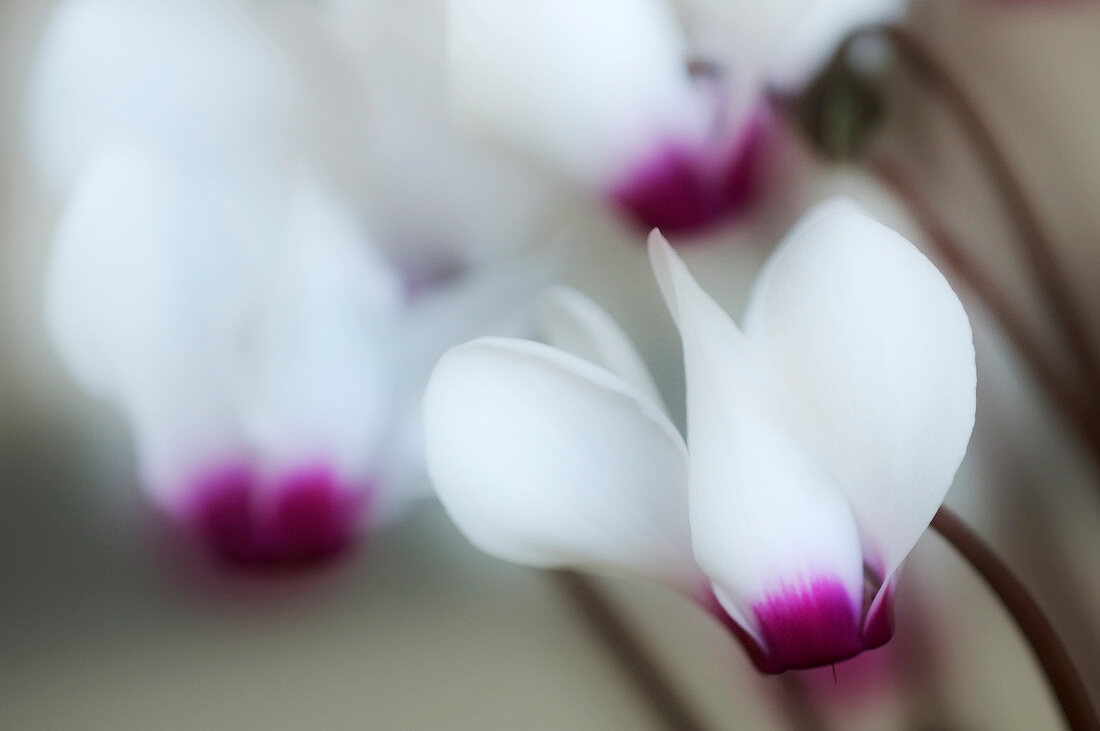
(767, 517)
(433, 190)
(574, 323)
(318, 370)
(138, 259)
(185, 426)
(877, 349)
(545, 459)
(143, 291)
(584, 86)
(187, 76)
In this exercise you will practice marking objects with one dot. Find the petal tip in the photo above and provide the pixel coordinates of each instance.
(663, 260)
(656, 238)
(831, 208)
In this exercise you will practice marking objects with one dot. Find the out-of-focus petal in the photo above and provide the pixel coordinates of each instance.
(317, 365)
(251, 367)
(874, 345)
(432, 191)
(609, 96)
(545, 459)
(587, 87)
(188, 77)
(140, 265)
(144, 291)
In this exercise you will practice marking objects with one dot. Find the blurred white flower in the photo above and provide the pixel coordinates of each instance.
(665, 122)
(354, 92)
(272, 388)
(432, 187)
(821, 440)
(213, 274)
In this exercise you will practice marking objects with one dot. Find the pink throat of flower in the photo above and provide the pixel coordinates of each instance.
(681, 189)
(304, 517)
(809, 626)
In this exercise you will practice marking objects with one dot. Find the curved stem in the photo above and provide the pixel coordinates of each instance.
(1061, 393)
(1036, 245)
(1036, 628)
(627, 648)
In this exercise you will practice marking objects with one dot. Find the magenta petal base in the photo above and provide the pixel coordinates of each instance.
(681, 189)
(808, 626)
(302, 517)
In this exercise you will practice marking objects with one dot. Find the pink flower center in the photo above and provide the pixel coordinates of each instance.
(305, 517)
(682, 189)
(809, 625)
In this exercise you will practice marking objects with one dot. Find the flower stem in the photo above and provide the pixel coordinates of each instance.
(1036, 628)
(1036, 245)
(627, 648)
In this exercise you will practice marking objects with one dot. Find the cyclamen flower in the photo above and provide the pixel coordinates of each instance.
(212, 278)
(666, 123)
(432, 184)
(352, 92)
(269, 385)
(821, 439)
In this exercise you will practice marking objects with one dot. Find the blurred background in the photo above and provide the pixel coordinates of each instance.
(106, 623)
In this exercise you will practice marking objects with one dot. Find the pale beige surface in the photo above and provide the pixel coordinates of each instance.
(421, 631)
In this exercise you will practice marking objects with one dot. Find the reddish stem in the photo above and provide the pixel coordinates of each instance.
(628, 649)
(1036, 628)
